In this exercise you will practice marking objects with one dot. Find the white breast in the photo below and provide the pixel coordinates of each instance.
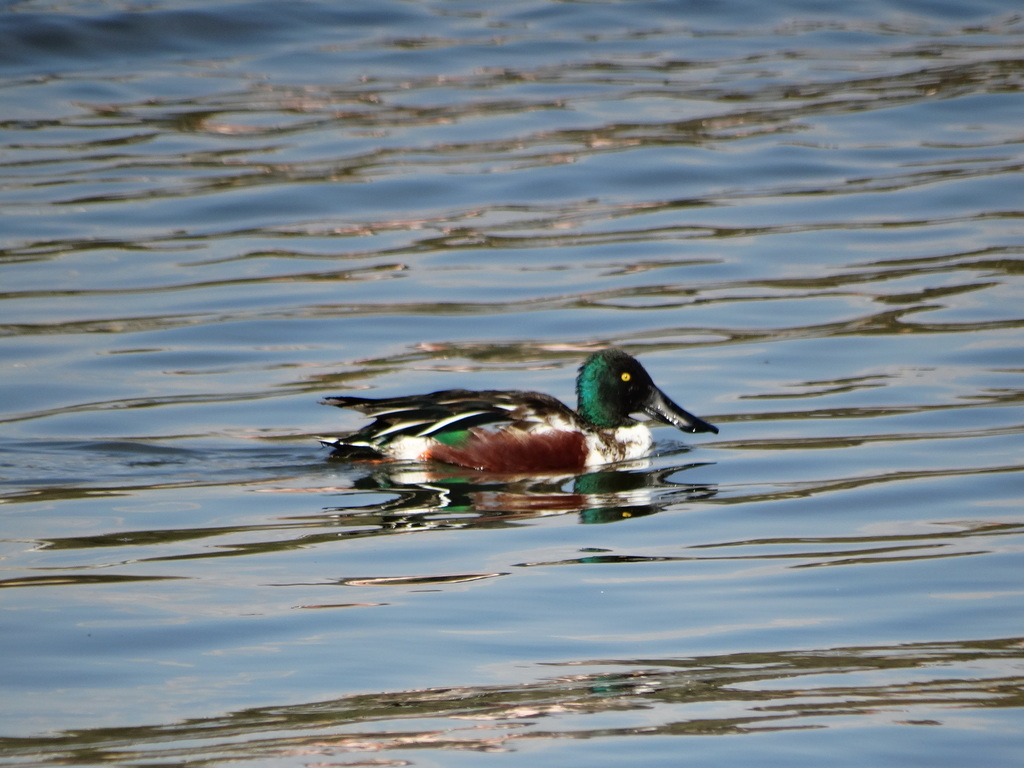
(622, 444)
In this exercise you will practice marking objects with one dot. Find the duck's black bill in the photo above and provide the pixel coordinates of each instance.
(661, 408)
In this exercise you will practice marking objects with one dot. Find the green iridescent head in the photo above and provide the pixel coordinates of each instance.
(611, 385)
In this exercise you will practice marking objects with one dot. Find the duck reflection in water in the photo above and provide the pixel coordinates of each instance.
(446, 497)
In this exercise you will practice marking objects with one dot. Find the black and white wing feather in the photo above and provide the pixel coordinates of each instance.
(440, 413)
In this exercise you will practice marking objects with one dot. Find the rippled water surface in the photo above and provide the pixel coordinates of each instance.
(806, 223)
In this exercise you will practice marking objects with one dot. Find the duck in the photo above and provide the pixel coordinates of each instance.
(519, 432)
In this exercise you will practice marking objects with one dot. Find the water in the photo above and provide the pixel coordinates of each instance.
(805, 222)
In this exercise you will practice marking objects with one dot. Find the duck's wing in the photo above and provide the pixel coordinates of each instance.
(441, 413)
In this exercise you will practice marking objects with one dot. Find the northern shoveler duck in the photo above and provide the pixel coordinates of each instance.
(520, 432)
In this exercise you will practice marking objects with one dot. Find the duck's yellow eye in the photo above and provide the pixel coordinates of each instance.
(626, 376)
